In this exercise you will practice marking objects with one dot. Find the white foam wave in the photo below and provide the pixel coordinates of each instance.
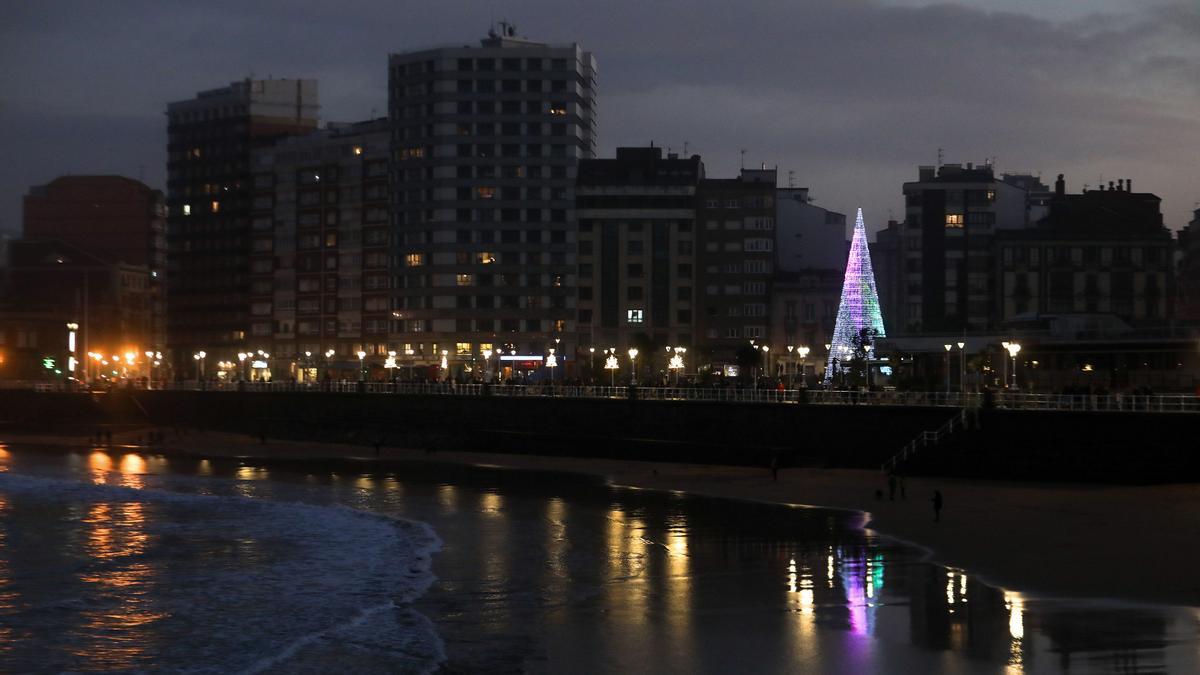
(331, 570)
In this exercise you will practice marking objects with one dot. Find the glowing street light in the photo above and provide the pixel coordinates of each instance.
(633, 352)
(803, 351)
(71, 328)
(199, 358)
(611, 365)
(676, 362)
(962, 367)
(487, 364)
(947, 367)
(552, 363)
(1013, 349)
(362, 368)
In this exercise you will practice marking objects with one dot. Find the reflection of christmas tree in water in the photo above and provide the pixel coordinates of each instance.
(859, 320)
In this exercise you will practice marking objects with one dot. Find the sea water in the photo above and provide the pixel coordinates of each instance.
(125, 571)
(123, 560)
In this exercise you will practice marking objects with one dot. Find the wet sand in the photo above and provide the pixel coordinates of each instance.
(1119, 542)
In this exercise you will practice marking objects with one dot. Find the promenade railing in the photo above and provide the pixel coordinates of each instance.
(1157, 403)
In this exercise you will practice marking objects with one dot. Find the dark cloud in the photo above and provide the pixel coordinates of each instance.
(849, 95)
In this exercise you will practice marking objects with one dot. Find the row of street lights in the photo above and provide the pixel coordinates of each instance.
(1013, 348)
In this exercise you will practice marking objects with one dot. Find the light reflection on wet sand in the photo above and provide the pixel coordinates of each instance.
(640, 579)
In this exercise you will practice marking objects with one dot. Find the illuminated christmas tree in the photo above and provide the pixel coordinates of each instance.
(859, 320)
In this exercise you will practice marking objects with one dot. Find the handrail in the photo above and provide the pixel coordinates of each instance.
(1004, 400)
(926, 439)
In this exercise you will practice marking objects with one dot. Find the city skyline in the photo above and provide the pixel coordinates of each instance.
(1042, 93)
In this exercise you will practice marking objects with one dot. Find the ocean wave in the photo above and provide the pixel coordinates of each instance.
(274, 585)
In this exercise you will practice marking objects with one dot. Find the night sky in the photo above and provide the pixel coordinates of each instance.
(850, 95)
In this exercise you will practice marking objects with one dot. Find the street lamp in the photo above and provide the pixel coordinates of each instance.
(592, 364)
(1013, 348)
(803, 365)
(552, 362)
(947, 367)
(962, 367)
(676, 363)
(633, 352)
(611, 365)
(199, 356)
(1004, 367)
(556, 343)
(71, 328)
(362, 368)
(487, 364)
(445, 364)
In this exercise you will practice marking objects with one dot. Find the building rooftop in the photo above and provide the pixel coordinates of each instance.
(641, 166)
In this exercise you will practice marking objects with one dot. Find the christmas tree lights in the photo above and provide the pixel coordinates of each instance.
(858, 314)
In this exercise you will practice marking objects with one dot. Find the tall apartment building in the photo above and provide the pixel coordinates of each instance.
(1101, 260)
(320, 249)
(210, 140)
(637, 249)
(943, 279)
(485, 145)
(116, 221)
(806, 235)
(736, 258)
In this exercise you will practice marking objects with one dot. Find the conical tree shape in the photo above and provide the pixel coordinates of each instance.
(859, 309)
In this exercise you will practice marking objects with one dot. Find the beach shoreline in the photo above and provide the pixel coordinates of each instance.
(1131, 544)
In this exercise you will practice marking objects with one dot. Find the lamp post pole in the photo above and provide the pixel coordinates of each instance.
(947, 367)
(633, 352)
(962, 367)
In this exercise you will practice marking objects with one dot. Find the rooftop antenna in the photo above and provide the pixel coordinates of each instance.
(742, 162)
(791, 178)
(939, 159)
(685, 148)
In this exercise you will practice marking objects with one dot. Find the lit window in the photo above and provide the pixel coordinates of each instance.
(412, 153)
(464, 279)
(414, 259)
(196, 152)
(187, 209)
(954, 220)
(216, 206)
(634, 316)
(558, 108)
(484, 192)
(358, 149)
(485, 258)
(991, 196)
(462, 348)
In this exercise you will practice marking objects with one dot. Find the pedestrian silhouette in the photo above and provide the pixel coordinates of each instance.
(937, 506)
(892, 487)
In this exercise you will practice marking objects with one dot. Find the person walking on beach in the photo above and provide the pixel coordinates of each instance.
(937, 506)
(892, 487)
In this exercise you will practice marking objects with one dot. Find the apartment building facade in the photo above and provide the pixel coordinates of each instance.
(736, 259)
(486, 141)
(210, 141)
(320, 254)
(637, 249)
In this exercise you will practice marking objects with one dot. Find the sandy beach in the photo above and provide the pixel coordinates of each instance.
(1128, 543)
